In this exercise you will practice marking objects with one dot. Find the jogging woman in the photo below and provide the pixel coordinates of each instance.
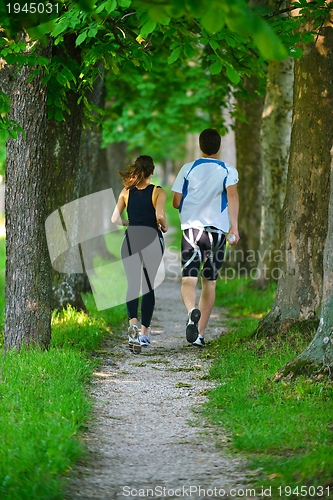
(143, 244)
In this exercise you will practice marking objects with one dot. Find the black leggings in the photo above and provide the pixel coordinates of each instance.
(142, 252)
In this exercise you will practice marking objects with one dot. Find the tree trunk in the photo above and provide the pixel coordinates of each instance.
(116, 159)
(318, 356)
(248, 148)
(28, 268)
(64, 170)
(275, 144)
(304, 224)
(92, 172)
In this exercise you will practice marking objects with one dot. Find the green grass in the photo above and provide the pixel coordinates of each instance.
(43, 406)
(45, 402)
(173, 221)
(285, 429)
(2, 286)
(240, 297)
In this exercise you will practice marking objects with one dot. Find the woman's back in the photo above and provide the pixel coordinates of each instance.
(140, 208)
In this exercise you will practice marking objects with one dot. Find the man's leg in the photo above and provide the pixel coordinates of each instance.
(206, 303)
(188, 291)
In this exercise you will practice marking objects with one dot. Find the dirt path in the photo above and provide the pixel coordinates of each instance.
(148, 439)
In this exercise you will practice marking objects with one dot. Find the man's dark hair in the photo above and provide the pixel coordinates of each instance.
(209, 141)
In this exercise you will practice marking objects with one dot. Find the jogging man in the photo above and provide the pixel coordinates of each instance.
(205, 192)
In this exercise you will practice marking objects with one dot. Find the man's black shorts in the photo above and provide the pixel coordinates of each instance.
(203, 248)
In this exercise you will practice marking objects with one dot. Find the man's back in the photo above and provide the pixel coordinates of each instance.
(203, 185)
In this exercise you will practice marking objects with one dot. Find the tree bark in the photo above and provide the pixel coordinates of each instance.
(94, 173)
(318, 356)
(304, 223)
(275, 144)
(64, 182)
(28, 268)
(115, 159)
(248, 148)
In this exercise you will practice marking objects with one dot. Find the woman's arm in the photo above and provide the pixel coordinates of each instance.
(119, 208)
(159, 209)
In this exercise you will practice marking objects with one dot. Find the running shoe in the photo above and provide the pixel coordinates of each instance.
(133, 339)
(200, 342)
(192, 325)
(145, 339)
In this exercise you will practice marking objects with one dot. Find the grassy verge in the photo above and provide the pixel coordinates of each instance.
(172, 215)
(284, 428)
(45, 402)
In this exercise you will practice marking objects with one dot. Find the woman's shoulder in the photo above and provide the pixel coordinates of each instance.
(158, 190)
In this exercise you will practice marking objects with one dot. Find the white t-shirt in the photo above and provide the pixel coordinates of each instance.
(203, 184)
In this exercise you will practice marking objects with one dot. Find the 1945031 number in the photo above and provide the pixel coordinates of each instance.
(32, 8)
(304, 491)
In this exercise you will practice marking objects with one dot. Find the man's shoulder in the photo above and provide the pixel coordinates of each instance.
(231, 168)
(232, 175)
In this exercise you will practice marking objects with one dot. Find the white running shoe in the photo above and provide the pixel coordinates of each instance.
(200, 342)
(133, 339)
(145, 339)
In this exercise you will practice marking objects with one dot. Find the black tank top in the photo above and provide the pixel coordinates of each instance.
(140, 208)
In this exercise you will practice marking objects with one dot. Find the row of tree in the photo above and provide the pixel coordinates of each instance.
(99, 68)
(304, 294)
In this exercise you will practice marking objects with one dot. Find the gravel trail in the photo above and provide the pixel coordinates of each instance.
(148, 438)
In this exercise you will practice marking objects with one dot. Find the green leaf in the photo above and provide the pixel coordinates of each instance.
(87, 5)
(174, 55)
(60, 28)
(12, 134)
(189, 50)
(92, 32)
(214, 44)
(101, 7)
(232, 74)
(62, 79)
(296, 52)
(213, 19)
(147, 28)
(68, 74)
(124, 3)
(16, 48)
(230, 41)
(43, 61)
(158, 15)
(216, 67)
(174, 45)
(58, 115)
(4, 101)
(20, 59)
(81, 38)
(269, 45)
(307, 37)
(111, 5)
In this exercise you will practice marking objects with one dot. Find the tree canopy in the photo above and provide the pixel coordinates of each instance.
(226, 36)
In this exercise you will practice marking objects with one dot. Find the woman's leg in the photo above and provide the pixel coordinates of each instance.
(133, 276)
(148, 299)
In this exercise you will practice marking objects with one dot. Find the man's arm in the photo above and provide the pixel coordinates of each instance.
(177, 199)
(233, 208)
